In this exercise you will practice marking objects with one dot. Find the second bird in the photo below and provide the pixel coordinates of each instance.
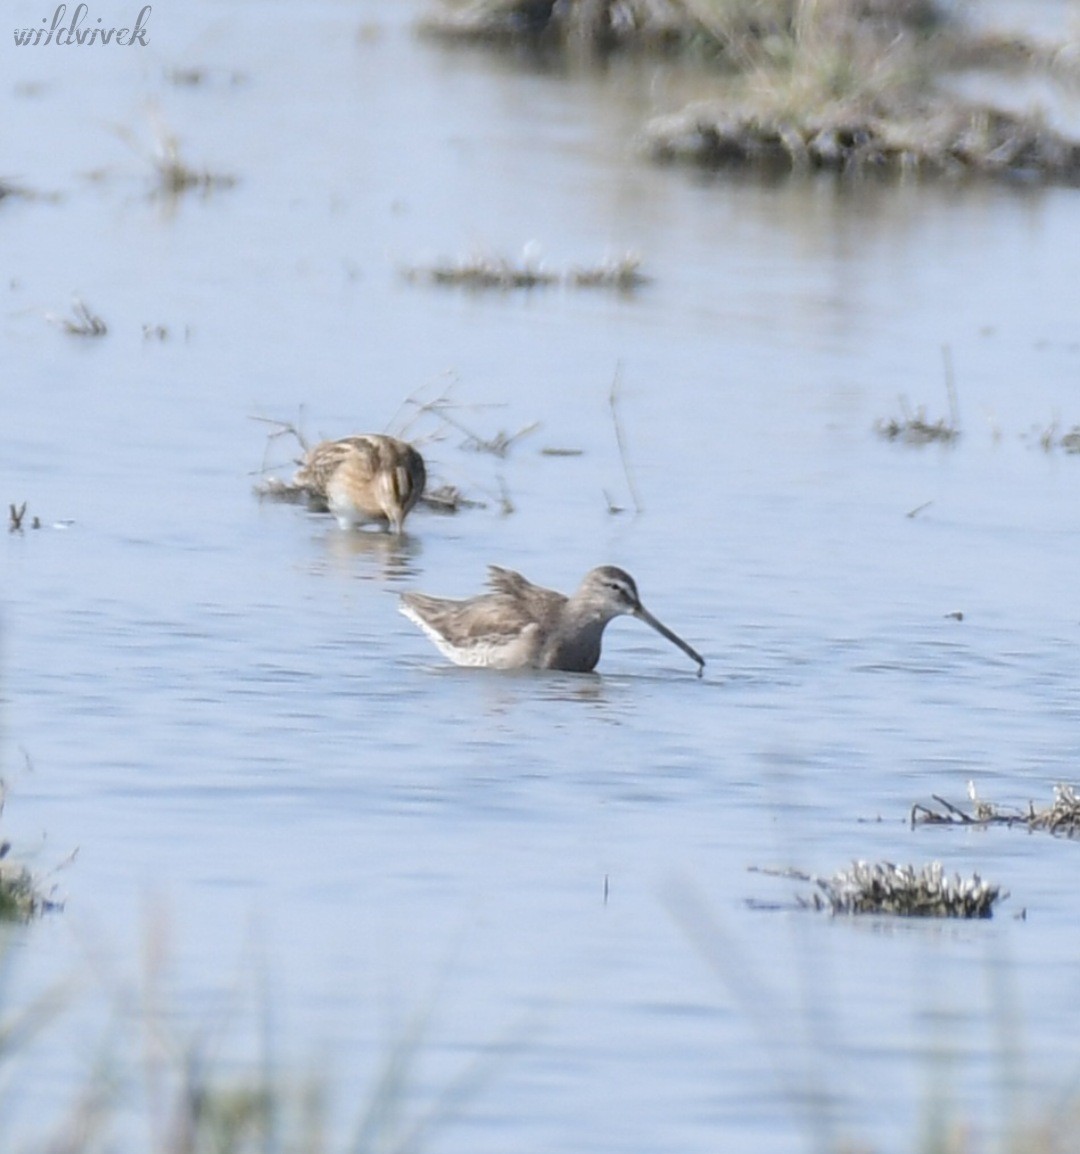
(366, 479)
(520, 625)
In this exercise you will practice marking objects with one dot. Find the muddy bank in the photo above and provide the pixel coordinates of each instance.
(843, 86)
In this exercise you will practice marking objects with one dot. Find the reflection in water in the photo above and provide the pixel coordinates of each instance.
(387, 556)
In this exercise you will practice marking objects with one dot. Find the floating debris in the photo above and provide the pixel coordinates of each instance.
(498, 445)
(85, 323)
(482, 271)
(288, 492)
(449, 499)
(1062, 818)
(903, 891)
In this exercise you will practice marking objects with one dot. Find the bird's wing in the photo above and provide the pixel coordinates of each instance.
(322, 462)
(465, 621)
(534, 602)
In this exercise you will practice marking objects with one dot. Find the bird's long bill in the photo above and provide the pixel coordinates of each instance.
(642, 614)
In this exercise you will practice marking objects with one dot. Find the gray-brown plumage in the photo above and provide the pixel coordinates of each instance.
(519, 625)
(362, 479)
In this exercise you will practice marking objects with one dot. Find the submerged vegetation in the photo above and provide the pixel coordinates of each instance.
(843, 86)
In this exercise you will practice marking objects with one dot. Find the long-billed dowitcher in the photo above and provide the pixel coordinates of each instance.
(519, 625)
(367, 478)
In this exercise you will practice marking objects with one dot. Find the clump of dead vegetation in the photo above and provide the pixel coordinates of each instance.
(482, 271)
(21, 898)
(13, 190)
(1061, 818)
(84, 322)
(903, 891)
(1050, 439)
(841, 86)
(915, 428)
(16, 516)
(726, 28)
(174, 175)
(21, 894)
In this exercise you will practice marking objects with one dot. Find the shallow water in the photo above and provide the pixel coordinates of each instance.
(217, 702)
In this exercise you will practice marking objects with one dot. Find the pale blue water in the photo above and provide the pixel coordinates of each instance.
(225, 713)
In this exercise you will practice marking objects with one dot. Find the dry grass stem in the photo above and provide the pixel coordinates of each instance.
(903, 891)
(1061, 818)
(620, 440)
(445, 411)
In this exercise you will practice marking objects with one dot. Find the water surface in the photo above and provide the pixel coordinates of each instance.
(221, 707)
